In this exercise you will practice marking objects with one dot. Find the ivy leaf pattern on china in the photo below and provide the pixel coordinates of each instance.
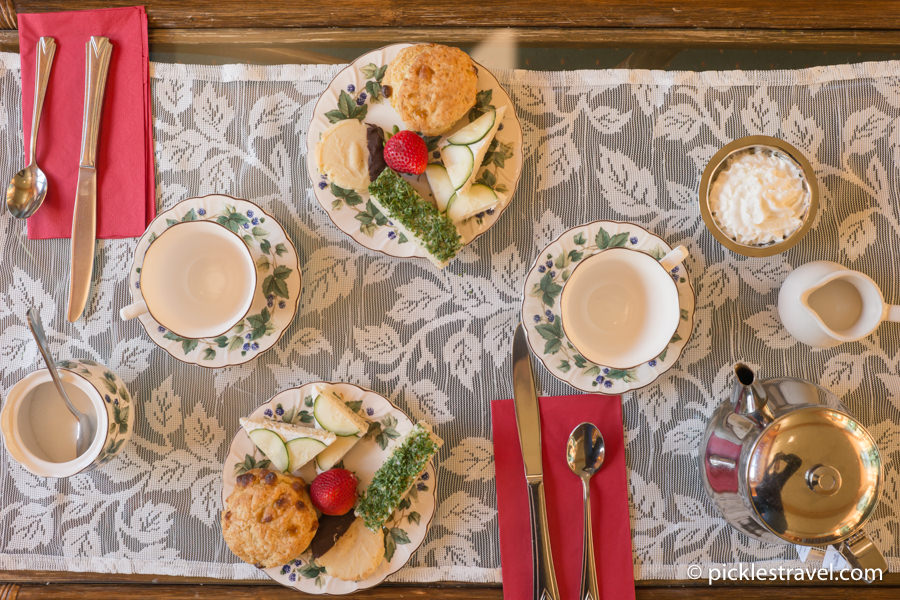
(347, 109)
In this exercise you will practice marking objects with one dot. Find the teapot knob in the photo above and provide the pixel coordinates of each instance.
(823, 480)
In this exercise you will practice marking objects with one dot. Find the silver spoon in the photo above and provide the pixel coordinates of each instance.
(28, 187)
(84, 433)
(585, 452)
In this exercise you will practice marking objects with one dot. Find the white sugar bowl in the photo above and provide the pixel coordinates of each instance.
(39, 431)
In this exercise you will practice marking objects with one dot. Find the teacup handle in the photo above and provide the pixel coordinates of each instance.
(893, 313)
(126, 313)
(673, 258)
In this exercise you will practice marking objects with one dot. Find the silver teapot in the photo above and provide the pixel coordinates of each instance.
(784, 462)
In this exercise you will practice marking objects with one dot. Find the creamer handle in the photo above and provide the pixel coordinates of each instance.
(673, 258)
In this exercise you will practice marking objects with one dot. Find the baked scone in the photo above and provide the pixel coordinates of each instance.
(356, 554)
(268, 519)
(431, 86)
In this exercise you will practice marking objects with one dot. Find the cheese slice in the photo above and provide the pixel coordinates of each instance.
(479, 149)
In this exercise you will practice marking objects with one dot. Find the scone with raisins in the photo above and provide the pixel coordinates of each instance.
(431, 86)
(268, 519)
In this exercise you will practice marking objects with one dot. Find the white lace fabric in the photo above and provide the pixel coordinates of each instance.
(622, 145)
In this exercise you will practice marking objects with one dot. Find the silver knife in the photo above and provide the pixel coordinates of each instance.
(84, 216)
(528, 419)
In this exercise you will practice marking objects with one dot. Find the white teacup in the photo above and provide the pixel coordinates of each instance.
(197, 280)
(620, 308)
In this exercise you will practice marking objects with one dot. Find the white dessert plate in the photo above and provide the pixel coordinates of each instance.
(278, 282)
(349, 93)
(541, 308)
(406, 530)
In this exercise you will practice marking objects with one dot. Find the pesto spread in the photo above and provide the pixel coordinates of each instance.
(433, 230)
(395, 477)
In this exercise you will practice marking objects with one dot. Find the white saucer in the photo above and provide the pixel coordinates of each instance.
(541, 308)
(278, 282)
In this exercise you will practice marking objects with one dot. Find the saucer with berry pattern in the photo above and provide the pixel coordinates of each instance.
(541, 308)
(356, 93)
(404, 532)
(277, 273)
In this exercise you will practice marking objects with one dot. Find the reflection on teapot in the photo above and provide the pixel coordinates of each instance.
(824, 304)
(784, 462)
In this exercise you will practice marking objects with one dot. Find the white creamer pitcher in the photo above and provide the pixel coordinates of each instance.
(824, 304)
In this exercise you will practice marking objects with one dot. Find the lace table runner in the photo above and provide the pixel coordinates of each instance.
(624, 145)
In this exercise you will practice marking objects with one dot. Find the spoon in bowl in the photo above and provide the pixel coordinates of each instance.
(28, 187)
(585, 452)
(84, 432)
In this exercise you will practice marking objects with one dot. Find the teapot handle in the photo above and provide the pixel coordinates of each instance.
(862, 553)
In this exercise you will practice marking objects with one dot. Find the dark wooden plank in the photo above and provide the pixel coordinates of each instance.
(760, 14)
(295, 38)
(229, 592)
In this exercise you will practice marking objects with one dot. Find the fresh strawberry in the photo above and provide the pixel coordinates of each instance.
(406, 152)
(334, 491)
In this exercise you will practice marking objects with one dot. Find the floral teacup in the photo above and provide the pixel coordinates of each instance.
(197, 280)
(39, 431)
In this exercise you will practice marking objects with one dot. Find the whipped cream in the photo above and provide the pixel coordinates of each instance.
(759, 197)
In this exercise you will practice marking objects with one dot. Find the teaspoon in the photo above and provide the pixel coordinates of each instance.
(585, 452)
(84, 432)
(28, 187)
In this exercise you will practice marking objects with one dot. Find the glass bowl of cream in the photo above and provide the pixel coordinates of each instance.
(758, 196)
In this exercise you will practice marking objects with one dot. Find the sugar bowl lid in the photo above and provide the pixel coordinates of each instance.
(813, 476)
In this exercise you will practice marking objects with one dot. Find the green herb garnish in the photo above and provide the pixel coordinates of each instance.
(395, 476)
(435, 231)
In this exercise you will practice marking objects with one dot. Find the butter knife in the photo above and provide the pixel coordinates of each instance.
(528, 419)
(84, 217)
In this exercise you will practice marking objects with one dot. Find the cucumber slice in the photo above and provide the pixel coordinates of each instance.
(459, 162)
(440, 185)
(333, 416)
(303, 450)
(475, 130)
(333, 454)
(476, 199)
(271, 444)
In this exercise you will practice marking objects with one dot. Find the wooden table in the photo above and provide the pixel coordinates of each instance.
(285, 30)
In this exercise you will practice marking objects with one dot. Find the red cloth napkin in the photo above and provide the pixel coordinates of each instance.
(609, 498)
(126, 192)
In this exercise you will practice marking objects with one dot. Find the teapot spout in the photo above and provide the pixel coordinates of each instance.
(749, 396)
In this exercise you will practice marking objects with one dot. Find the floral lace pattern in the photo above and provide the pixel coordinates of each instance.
(615, 145)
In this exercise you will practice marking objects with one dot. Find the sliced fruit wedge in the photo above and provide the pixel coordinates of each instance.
(356, 554)
(303, 450)
(475, 130)
(459, 162)
(476, 199)
(271, 444)
(440, 185)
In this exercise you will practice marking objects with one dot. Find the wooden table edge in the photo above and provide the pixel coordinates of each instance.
(888, 39)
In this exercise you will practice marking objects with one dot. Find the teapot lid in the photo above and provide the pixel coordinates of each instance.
(813, 476)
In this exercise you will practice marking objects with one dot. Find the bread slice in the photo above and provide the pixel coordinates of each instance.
(415, 217)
